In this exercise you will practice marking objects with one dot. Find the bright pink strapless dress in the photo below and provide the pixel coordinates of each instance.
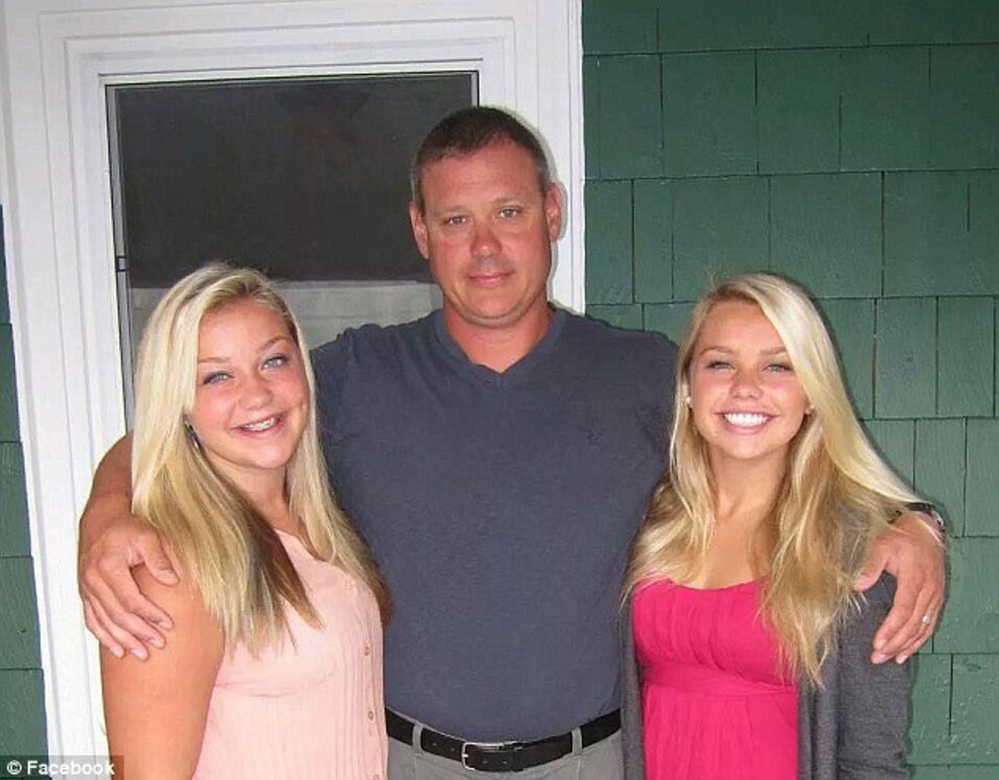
(714, 705)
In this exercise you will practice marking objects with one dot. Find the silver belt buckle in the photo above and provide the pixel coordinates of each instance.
(464, 757)
(481, 746)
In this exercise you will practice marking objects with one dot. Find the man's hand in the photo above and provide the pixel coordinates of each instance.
(912, 551)
(112, 542)
(116, 611)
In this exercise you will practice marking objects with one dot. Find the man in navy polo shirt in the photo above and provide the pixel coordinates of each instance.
(497, 455)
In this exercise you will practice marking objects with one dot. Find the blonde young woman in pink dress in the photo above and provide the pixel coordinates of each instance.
(753, 651)
(273, 669)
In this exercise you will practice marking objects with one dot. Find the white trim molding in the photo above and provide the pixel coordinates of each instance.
(58, 58)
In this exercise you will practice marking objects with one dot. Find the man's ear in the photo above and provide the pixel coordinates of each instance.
(553, 211)
(419, 226)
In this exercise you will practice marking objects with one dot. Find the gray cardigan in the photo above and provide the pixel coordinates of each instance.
(852, 729)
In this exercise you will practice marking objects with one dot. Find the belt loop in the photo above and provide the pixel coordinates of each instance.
(577, 741)
(417, 741)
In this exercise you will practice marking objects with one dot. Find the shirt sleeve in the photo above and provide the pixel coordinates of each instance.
(331, 365)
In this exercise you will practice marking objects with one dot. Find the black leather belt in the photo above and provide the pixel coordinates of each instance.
(501, 756)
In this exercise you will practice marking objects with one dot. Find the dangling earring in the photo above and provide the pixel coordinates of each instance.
(192, 435)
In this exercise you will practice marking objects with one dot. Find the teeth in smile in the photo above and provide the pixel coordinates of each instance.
(263, 425)
(745, 419)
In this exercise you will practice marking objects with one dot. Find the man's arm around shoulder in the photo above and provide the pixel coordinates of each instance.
(112, 542)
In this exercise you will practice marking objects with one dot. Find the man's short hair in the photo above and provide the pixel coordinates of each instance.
(467, 131)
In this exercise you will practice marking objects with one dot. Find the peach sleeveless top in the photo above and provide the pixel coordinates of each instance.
(309, 708)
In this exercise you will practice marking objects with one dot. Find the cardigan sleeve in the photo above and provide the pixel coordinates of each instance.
(631, 702)
(873, 700)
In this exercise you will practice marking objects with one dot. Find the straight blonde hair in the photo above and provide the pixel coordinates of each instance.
(233, 556)
(837, 494)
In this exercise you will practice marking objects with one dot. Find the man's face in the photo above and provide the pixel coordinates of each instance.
(487, 230)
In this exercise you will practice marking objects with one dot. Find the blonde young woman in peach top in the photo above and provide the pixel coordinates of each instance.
(273, 669)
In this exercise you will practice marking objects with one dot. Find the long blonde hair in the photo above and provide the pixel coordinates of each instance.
(836, 497)
(232, 554)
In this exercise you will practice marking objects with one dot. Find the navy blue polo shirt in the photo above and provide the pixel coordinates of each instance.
(500, 508)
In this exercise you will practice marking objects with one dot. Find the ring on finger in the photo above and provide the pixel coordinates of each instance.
(927, 619)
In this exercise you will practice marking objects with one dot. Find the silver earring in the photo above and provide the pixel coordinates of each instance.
(689, 401)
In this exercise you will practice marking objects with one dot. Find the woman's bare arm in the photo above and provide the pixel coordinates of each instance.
(155, 711)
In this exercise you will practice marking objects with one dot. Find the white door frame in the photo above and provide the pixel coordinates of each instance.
(54, 184)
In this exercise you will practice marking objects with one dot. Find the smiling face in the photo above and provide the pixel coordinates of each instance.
(486, 229)
(251, 401)
(746, 401)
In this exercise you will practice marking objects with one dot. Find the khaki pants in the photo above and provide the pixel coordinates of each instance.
(600, 761)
